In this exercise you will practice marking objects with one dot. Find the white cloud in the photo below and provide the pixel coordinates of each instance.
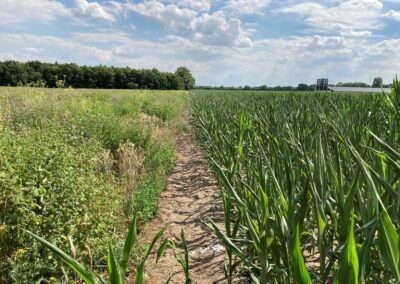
(394, 15)
(217, 29)
(280, 61)
(216, 45)
(196, 5)
(112, 36)
(348, 18)
(117, 7)
(170, 16)
(212, 29)
(15, 12)
(94, 10)
(247, 6)
(385, 49)
(50, 48)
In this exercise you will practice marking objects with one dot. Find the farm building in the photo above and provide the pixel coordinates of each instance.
(323, 85)
(358, 89)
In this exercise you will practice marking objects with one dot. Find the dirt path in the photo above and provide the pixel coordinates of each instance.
(190, 197)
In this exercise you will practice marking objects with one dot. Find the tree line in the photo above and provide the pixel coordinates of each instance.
(52, 75)
(376, 83)
(251, 88)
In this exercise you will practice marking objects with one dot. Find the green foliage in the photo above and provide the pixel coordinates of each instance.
(348, 270)
(63, 170)
(117, 270)
(38, 74)
(305, 162)
(378, 82)
(300, 270)
(184, 74)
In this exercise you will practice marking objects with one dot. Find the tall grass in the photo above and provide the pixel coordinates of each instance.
(309, 183)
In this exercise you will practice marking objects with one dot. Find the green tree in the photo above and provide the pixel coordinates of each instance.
(377, 83)
(302, 87)
(36, 73)
(188, 80)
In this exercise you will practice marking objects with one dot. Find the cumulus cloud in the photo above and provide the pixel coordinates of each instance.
(213, 38)
(196, 5)
(394, 15)
(112, 36)
(15, 12)
(282, 61)
(213, 29)
(216, 29)
(247, 6)
(170, 16)
(51, 48)
(93, 10)
(349, 17)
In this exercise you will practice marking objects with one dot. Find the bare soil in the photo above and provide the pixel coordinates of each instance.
(191, 197)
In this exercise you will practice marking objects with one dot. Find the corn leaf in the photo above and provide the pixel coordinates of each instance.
(81, 270)
(300, 271)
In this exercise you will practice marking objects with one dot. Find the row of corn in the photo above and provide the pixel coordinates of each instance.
(310, 183)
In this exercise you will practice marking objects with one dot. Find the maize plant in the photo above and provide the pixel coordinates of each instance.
(310, 183)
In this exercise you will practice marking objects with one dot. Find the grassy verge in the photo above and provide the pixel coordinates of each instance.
(74, 166)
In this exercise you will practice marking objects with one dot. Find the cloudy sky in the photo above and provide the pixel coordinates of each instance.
(233, 42)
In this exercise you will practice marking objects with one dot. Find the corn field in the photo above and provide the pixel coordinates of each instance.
(309, 183)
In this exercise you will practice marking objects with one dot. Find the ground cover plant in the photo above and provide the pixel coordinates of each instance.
(309, 183)
(75, 165)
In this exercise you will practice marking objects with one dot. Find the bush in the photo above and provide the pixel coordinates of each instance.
(50, 184)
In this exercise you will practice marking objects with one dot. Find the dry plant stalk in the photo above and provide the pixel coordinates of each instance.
(130, 165)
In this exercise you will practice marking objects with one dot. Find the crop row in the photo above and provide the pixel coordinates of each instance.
(309, 183)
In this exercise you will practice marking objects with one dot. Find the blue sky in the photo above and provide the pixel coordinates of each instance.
(233, 42)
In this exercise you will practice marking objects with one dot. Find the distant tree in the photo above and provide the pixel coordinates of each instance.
(377, 83)
(302, 87)
(186, 76)
(36, 73)
(353, 84)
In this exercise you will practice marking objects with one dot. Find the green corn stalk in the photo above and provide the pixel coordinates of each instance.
(325, 164)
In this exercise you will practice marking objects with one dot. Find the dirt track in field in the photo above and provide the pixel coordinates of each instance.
(191, 197)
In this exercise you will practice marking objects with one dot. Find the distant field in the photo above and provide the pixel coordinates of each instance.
(74, 166)
(309, 183)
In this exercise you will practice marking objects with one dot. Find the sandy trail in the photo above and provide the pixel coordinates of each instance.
(190, 197)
